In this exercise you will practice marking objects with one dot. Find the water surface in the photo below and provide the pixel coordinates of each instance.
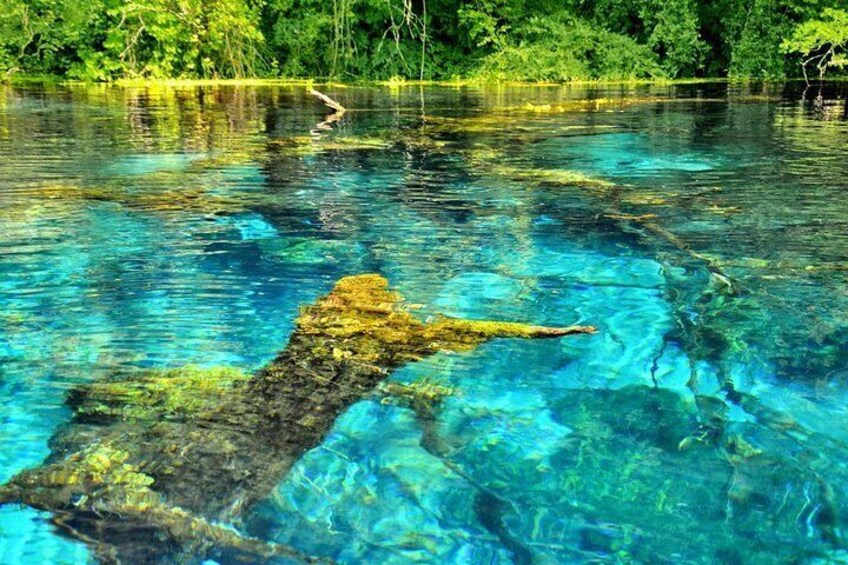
(702, 228)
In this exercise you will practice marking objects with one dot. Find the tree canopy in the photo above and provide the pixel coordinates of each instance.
(432, 39)
(823, 42)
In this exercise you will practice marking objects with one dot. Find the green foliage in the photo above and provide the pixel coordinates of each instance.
(104, 39)
(348, 39)
(433, 39)
(822, 42)
(759, 33)
(548, 49)
(756, 53)
(669, 28)
(44, 36)
(162, 38)
(674, 35)
(300, 43)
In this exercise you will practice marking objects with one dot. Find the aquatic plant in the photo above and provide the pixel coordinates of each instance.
(491, 162)
(625, 441)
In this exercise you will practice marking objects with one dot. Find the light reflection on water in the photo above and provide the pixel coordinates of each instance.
(706, 422)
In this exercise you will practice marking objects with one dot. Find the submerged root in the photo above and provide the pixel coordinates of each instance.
(611, 195)
(460, 335)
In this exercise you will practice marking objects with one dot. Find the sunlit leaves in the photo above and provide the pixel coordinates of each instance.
(822, 42)
(437, 39)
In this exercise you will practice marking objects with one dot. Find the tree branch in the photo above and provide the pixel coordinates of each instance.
(329, 102)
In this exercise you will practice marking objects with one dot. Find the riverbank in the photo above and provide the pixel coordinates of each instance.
(464, 82)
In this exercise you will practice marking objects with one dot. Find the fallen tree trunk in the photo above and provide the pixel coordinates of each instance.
(170, 455)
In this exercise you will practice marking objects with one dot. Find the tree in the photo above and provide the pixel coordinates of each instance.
(674, 35)
(166, 38)
(557, 40)
(755, 45)
(822, 42)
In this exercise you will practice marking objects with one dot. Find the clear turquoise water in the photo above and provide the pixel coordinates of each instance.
(162, 227)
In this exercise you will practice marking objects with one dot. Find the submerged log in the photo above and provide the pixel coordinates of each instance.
(150, 467)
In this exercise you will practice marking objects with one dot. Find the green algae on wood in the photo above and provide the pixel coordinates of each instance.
(150, 468)
(303, 145)
(185, 392)
(490, 162)
(554, 176)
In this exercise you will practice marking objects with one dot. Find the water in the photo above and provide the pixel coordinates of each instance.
(701, 227)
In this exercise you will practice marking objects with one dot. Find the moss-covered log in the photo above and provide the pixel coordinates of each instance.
(151, 466)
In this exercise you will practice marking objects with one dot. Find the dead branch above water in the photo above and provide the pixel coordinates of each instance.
(329, 102)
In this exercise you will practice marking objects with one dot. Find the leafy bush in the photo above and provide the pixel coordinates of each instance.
(548, 50)
(757, 51)
(822, 42)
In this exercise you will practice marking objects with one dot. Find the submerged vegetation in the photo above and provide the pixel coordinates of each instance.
(536, 40)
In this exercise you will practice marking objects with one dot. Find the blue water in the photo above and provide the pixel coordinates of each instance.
(149, 228)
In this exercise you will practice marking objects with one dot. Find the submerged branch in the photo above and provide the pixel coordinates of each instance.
(176, 452)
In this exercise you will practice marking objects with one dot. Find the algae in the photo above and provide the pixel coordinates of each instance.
(184, 392)
(302, 145)
(187, 199)
(551, 176)
(619, 456)
(421, 396)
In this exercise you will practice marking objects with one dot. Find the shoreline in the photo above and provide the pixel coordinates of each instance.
(457, 83)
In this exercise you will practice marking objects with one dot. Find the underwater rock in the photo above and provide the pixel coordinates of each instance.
(367, 496)
(152, 467)
(623, 154)
(649, 462)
